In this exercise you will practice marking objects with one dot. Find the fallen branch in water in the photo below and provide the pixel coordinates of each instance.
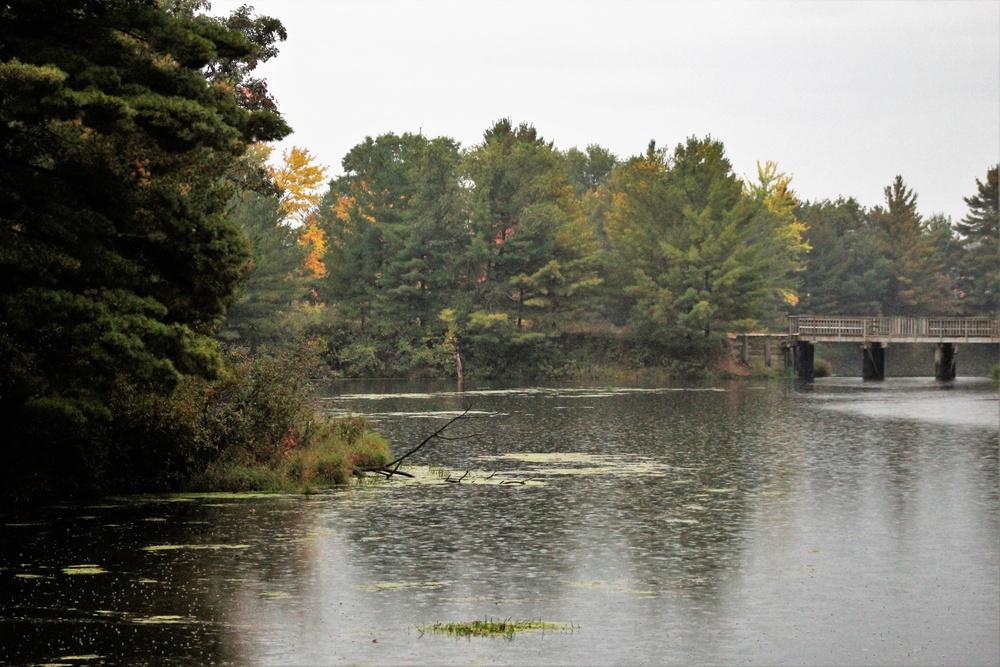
(521, 482)
(459, 480)
(392, 468)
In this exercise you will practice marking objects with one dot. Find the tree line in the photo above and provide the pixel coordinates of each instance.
(513, 257)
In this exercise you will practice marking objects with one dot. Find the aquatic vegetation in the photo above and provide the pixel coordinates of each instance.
(554, 392)
(211, 547)
(438, 474)
(274, 595)
(588, 464)
(407, 585)
(88, 568)
(79, 658)
(493, 628)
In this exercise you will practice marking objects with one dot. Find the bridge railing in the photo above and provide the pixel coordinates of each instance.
(893, 327)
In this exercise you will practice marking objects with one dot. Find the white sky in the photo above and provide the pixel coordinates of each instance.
(842, 95)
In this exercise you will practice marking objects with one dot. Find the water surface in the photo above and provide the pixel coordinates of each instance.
(837, 522)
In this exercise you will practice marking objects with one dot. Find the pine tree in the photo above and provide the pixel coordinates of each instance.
(980, 231)
(117, 261)
(918, 285)
(706, 255)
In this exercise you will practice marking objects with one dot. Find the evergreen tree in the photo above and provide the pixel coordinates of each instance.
(397, 223)
(980, 232)
(117, 261)
(536, 254)
(918, 285)
(846, 271)
(263, 312)
(707, 256)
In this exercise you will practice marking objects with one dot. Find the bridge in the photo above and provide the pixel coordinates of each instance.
(874, 334)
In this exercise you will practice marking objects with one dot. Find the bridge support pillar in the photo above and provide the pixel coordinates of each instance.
(944, 361)
(805, 354)
(873, 361)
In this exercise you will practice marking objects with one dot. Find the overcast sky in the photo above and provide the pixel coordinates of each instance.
(842, 95)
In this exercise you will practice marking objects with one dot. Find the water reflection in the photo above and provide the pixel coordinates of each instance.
(761, 524)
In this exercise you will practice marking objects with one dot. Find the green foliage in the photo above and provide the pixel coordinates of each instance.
(490, 628)
(257, 428)
(695, 253)
(847, 272)
(979, 268)
(535, 260)
(918, 284)
(488, 261)
(264, 312)
(116, 258)
(822, 368)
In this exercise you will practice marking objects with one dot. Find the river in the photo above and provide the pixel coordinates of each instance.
(836, 522)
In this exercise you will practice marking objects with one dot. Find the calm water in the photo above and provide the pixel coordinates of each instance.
(832, 523)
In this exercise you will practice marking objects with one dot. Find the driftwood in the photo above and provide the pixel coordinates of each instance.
(392, 468)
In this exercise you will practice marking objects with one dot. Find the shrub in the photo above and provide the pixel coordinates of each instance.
(257, 428)
(822, 368)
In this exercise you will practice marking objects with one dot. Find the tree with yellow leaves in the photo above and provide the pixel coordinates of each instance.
(300, 178)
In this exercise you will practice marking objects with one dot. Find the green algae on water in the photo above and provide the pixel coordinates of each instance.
(401, 585)
(494, 628)
(212, 547)
(87, 568)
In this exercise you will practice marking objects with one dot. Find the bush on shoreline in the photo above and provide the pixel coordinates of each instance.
(258, 427)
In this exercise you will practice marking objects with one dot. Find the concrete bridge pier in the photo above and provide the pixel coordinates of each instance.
(873, 361)
(944, 361)
(805, 356)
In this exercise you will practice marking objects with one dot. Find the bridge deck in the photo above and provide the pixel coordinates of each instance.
(818, 329)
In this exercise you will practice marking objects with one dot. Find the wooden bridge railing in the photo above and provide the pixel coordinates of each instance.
(894, 327)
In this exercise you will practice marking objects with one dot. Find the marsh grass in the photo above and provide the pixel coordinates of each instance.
(494, 628)
(324, 454)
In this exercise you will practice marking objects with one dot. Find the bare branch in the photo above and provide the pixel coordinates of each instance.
(435, 434)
